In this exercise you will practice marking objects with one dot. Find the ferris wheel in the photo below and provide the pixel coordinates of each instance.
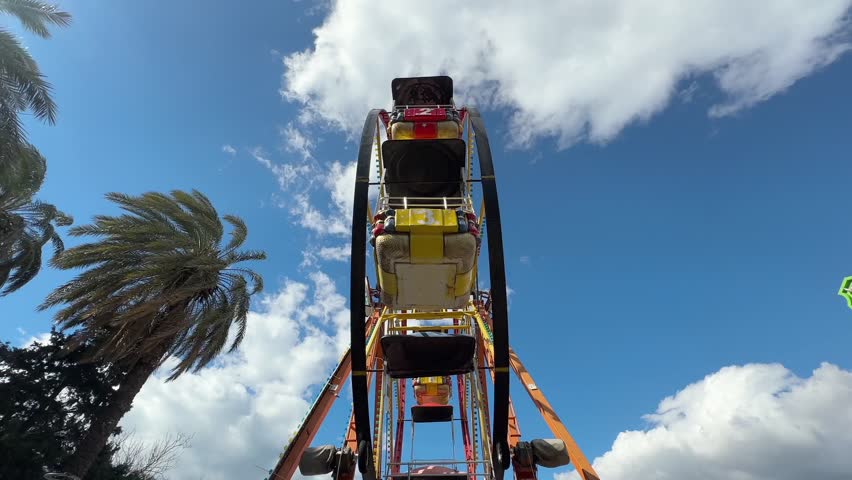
(428, 344)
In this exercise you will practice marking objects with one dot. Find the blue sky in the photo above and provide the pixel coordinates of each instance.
(683, 244)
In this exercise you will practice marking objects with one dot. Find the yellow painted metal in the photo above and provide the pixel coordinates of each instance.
(428, 315)
(371, 342)
(426, 248)
(451, 221)
(442, 328)
(430, 380)
(387, 281)
(426, 220)
(483, 330)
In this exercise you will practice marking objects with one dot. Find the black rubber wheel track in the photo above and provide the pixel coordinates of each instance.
(360, 394)
(499, 308)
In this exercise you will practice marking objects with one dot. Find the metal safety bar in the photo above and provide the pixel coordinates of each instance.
(398, 107)
(463, 203)
(429, 328)
(412, 475)
(439, 461)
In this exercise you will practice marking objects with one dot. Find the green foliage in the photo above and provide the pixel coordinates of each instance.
(26, 224)
(157, 283)
(36, 15)
(846, 290)
(47, 398)
(159, 279)
(22, 85)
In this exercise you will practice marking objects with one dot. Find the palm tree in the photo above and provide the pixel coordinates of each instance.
(22, 86)
(26, 225)
(158, 284)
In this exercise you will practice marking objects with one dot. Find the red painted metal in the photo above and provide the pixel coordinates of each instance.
(425, 114)
(400, 427)
(402, 385)
(465, 426)
(425, 130)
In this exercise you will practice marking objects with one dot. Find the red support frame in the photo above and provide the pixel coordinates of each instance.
(400, 427)
(465, 426)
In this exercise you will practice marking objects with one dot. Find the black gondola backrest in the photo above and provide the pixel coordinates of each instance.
(422, 91)
(424, 168)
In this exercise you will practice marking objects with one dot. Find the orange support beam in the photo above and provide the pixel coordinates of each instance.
(514, 426)
(578, 459)
(289, 461)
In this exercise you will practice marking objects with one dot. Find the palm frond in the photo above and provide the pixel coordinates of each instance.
(22, 174)
(20, 75)
(158, 279)
(36, 15)
(27, 264)
(238, 234)
(204, 215)
(26, 225)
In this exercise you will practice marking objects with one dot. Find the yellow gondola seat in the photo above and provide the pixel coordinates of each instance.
(426, 262)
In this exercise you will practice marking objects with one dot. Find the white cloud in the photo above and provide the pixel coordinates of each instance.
(339, 253)
(230, 150)
(41, 338)
(297, 141)
(568, 69)
(300, 182)
(310, 218)
(752, 422)
(243, 411)
(525, 259)
(311, 256)
(340, 182)
(287, 174)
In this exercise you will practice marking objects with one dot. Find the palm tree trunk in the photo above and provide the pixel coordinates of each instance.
(103, 425)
